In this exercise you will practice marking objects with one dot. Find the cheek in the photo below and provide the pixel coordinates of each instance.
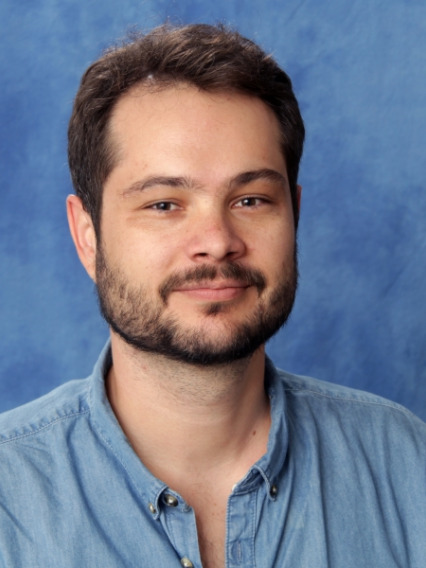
(279, 258)
(145, 260)
(275, 246)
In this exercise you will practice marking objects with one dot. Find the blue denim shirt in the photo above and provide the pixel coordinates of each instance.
(342, 485)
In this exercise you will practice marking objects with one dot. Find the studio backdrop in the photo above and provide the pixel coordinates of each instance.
(359, 72)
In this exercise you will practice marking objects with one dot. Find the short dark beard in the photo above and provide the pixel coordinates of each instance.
(140, 320)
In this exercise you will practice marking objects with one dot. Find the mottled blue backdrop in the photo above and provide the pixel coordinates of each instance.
(359, 70)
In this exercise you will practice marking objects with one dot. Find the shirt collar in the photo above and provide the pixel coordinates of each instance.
(269, 467)
(149, 488)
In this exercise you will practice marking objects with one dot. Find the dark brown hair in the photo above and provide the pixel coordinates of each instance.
(213, 58)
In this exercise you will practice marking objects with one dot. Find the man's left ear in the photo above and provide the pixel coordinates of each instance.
(83, 234)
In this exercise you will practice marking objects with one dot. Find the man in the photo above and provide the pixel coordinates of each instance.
(186, 446)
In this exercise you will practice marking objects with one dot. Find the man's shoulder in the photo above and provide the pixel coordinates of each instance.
(66, 402)
(319, 388)
(336, 424)
(352, 403)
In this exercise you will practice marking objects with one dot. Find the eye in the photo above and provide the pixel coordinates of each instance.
(249, 201)
(164, 206)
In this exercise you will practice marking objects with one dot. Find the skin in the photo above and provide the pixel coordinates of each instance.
(180, 197)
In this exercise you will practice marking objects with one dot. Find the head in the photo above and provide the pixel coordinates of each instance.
(211, 58)
(184, 147)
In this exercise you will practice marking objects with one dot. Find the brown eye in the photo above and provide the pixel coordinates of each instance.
(249, 201)
(164, 206)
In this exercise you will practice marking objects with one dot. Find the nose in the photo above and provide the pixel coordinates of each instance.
(215, 236)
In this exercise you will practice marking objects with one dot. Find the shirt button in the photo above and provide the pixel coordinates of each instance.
(273, 491)
(152, 508)
(170, 500)
(186, 563)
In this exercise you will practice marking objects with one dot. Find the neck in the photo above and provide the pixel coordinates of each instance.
(215, 418)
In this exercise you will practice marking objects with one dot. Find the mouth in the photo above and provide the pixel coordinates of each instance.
(213, 284)
(214, 291)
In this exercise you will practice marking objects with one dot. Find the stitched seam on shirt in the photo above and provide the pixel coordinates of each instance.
(392, 406)
(100, 431)
(41, 428)
(121, 462)
(111, 448)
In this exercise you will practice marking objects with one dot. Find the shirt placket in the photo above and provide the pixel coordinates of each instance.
(241, 530)
(178, 521)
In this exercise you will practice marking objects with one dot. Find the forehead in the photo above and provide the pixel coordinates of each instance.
(182, 126)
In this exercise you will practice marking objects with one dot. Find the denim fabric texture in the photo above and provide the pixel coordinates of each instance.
(342, 485)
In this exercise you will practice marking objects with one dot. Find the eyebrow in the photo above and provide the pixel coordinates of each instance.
(241, 179)
(153, 181)
(262, 174)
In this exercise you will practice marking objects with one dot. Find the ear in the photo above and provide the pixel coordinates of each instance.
(83, 234)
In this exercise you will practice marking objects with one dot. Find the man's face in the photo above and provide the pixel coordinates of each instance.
(196, 259)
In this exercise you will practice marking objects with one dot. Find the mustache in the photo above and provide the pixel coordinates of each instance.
(232, 271)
